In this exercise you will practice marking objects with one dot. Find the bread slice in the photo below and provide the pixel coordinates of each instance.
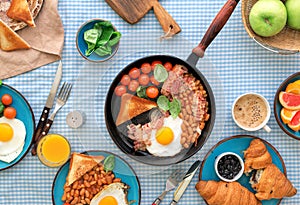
(81, 164)
(19, 10)
(9, 40)
(132, 106)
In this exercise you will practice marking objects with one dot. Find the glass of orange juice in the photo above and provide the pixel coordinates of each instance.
(53, 150)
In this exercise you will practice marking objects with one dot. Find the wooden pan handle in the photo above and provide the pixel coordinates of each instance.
(166, 21)
(215, 27)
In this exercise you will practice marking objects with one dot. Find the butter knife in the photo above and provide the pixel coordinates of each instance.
(48, 106)
(185, 182)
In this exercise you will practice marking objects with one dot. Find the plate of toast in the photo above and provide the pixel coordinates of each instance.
(17, 14)
(95, 177)
(264, 180)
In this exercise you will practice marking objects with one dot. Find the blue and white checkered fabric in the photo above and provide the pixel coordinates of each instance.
(236, 64)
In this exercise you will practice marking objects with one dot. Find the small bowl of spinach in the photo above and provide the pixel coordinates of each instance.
(97, 40)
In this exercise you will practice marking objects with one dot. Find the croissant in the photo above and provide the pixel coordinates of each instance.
(256, 156)
(271, 183)
(225, 193)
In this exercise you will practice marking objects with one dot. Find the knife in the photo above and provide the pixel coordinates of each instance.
(185, 182)
(48, 106)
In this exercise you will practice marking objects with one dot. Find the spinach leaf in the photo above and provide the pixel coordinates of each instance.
(91, 36)
(141, 92)
(175, 107)
(160, 73)
(114, 39)
(109, 163)
(163, 103)
(103, 50)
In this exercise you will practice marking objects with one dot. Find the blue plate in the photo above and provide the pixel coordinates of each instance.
(237, 144)
(278, 106)
(25, 114)
(82, 45)
(122, 170)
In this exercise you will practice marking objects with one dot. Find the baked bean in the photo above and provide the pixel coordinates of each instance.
(82, 191)
(182, 140)
(86, 184)
(88, 201)
(117, 180)
(85, 177)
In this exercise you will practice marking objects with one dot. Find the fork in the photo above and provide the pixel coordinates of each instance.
(171, 183)
(60, 102)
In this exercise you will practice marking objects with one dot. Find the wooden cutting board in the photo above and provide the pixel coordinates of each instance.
(134, 10)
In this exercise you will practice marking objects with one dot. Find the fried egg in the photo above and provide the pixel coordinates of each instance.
(12, 135)
(165, 142)
(12, 156)
(113, 194)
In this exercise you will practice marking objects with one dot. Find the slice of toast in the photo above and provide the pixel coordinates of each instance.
(10, 40)
(132, 106)
(19, 10)
(81, 164)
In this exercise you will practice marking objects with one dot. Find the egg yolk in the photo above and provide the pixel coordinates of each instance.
(6, 132)
(108, 200)
(164, 136)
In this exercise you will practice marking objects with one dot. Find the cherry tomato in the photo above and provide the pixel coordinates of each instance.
(144, 79)
(10, 112)
(125, 80)
(152, 92)
(120, 90)
(133, 85)
(134, 73)
(153, 80)
(146, 68)
(168, 66)
(154, 63)
(6, 99)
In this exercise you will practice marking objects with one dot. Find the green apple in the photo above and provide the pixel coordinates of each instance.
(293, 13)
(268, 17)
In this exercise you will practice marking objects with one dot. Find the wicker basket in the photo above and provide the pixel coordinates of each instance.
(285, 42)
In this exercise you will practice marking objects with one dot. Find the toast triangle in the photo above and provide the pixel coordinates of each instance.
(10, 40)
(81, 164)
(19, 10)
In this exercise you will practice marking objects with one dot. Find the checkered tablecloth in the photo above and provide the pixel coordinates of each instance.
(238, 65)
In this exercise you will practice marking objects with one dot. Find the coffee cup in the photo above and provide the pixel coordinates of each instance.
(251, 112)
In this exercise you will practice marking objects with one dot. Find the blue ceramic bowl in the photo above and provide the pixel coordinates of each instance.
(82, 46)
(278, 106)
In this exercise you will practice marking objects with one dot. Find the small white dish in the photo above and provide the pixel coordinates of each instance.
(223, 157)
(244, 109)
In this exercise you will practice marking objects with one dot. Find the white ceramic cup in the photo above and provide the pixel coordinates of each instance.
(263, 124)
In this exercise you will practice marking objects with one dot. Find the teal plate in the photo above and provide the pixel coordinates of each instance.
(122, 170)
(278, 106)
(238, 144)
(25, 114)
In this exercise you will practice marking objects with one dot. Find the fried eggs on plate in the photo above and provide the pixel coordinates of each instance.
(165, 141)
(12, 135)
(113, 194)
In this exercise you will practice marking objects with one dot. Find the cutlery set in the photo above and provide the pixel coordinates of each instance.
(178, 177)
(45, 123)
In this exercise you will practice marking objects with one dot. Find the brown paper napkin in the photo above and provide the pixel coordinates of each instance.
(46, 40)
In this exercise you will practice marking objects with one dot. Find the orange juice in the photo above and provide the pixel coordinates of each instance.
(53, 150)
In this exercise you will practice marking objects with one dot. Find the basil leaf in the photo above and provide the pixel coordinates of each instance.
(163, 103)
(103, 50)
(114, 39)
(91, 36)
(175, 108)
(160, 73)
(109, 163)
(141, 92)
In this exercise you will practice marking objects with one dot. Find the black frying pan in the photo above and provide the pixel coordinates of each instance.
(112, 104)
